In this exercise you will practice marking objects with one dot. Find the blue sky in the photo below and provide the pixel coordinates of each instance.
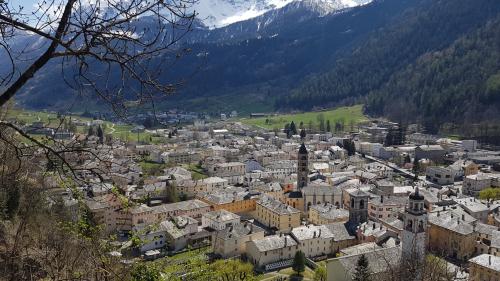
(26, 3)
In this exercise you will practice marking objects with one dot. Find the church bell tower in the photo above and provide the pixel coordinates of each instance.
(302, 167)
(414, 235)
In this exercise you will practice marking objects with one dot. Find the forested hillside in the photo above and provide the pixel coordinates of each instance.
(430, 61)
(459, 83)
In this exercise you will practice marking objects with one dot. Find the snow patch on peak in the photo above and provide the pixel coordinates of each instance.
(220, 13)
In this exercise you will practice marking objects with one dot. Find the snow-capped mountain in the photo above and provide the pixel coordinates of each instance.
(220, 13)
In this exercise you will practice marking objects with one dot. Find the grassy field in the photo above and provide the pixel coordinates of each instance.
(49, 119)
(196, 171)
(345, 115)
(307, 275)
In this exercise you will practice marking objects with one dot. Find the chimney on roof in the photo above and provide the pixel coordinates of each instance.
(489, 260)
(382, 199)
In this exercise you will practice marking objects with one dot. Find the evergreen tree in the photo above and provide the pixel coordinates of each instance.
(321, 119)
(301, 125)
(286, 130)
(401, 135)
(407, 158)
(362, 270)
(322, 125)
(293, 128)
(416, 166)
(328, 126)
(302, 134)
(172, 195)
(299, 262)
(91, 131)
(100, 134)
(351, 148)
(389, 138)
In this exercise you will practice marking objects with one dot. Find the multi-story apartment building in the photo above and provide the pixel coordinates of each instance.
(277, 215)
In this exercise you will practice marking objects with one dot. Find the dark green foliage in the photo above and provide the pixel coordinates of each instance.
(293, 128)
(321, 120)
(436, 63)
(100, 134)
(395, 136)
(13, 197)
(350, 147)
(455, 84)
(299, 262)
(328, 126)
(362, 270)
(416, 166)
(91, 131)
(10, 197)
(303, 134)
(172, 195)
(407, 158)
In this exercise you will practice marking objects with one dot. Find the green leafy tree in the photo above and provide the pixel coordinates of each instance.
(362, 270)
(299, 262)
(145, 272)
(490, 194)
(172, 195)
(320, 273)
(232, 270)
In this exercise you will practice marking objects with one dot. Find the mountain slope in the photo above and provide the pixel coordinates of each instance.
(257, 70)
(432, 26)
(458, 83)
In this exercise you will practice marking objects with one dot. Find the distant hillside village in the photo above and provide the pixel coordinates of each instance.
(384, 192)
